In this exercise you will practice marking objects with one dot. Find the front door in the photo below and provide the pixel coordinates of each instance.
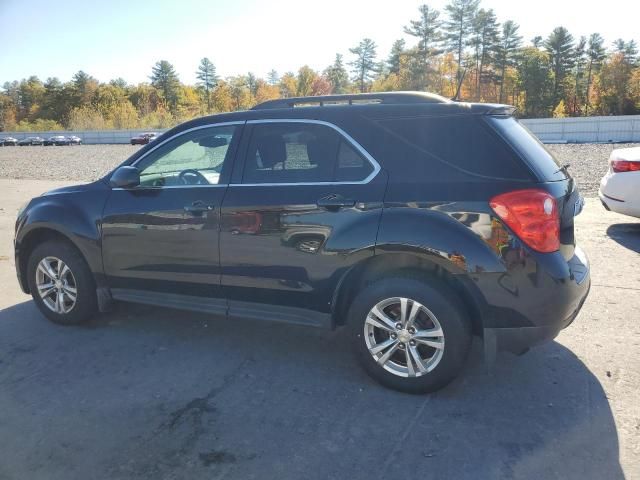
(160, 239)
(305, 208)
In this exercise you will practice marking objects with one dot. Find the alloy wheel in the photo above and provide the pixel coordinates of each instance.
(56, 285)
(404, 337)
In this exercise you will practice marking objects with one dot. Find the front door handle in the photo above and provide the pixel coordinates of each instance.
(335, 202)
(198, 208)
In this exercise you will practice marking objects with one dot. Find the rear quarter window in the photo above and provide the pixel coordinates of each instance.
(529, 148)
(463, 143)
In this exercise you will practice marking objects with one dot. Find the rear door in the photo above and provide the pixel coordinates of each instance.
(304, 206)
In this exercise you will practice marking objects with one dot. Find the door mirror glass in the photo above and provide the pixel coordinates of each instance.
(125, 177)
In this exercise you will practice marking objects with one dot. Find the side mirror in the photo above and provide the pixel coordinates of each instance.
(125, 177)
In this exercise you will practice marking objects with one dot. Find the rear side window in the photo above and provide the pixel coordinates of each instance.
(293, 152)
(462, 142)
(529, 148)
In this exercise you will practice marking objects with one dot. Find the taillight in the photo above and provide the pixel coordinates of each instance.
(532, 215)
(620, 166)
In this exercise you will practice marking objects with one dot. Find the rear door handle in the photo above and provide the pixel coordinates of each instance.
(335, 202)
(198, 208)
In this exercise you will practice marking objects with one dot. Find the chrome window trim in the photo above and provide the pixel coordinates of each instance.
(184, 132)
(372, 161)
(341, 132)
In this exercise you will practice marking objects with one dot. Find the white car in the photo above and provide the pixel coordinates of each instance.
(620, 187)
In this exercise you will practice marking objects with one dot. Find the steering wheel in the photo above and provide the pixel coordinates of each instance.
(190, 173)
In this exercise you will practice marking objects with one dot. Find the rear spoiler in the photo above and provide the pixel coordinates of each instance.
(502, 111)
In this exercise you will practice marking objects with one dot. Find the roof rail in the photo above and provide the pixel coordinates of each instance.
(387, 98)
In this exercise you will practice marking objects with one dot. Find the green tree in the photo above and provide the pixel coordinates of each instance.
(536, 41)
(306, 77)
(207, 79)
(580, 59)
(337, 75)
(596, 54)
(427, 30)
(459, 28)
(84, 87)
(486, 43)
(364, 66)
(272, 77)
(628, 49)
(509, 45)
(535, 78)
(395, 56)
(559, 46)
(165, 79)
(119, 82)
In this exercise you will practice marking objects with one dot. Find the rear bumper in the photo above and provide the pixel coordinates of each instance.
(520, 339)
(547, 305)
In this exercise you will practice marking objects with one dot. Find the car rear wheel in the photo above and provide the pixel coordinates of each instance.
(409, 334)
(61, 283)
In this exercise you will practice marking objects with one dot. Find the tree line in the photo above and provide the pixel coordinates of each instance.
(463, 52)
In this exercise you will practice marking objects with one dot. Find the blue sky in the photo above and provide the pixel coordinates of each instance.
(117, 38)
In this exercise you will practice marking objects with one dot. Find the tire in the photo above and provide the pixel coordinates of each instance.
(437, 311)
(80, 279)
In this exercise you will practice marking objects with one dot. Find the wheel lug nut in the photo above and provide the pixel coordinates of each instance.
(399, 326)
(412, 330)
(394, 336)
(402, 346)
(412, 343)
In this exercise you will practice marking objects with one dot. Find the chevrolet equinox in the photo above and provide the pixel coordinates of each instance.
(412, 220)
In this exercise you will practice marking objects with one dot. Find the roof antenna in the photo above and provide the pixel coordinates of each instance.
(456, 97)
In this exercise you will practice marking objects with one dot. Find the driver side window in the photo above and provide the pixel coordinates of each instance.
(194, 158)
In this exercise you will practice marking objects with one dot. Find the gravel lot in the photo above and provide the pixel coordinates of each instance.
(88, 162)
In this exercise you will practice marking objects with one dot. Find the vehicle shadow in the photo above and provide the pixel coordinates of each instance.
(153, 393)
(626, 234)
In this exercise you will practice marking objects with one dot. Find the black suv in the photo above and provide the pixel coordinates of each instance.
(411, 219)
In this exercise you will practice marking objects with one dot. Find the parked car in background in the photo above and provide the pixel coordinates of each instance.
(414, 221)
(9, 142)
(31, 141)
(74, 140)
(144, 138)
(620, 187)
(57, 140)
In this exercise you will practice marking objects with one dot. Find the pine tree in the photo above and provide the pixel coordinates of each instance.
(207, 79)
(509, 44)
(395, 56)
(364, 66)
(578, 72)
(596, 54)
(164, 78)
(486, 42)
(559, 46)
(338, 75)
(427, 30)
(459, 28)
(272, 77)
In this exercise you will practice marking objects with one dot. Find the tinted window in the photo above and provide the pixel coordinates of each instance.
(195, 158)
(301, 153)
(530, 148)
(462, 142)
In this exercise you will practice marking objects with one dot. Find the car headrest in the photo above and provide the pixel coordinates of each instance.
(272, 150)
(321, 150)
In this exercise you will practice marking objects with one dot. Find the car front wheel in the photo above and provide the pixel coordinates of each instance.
(61, 283)
(409, 334)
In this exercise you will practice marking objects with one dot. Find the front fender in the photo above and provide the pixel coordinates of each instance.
(75, 216)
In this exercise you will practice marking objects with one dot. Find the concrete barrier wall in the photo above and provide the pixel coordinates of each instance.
(548, 130)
